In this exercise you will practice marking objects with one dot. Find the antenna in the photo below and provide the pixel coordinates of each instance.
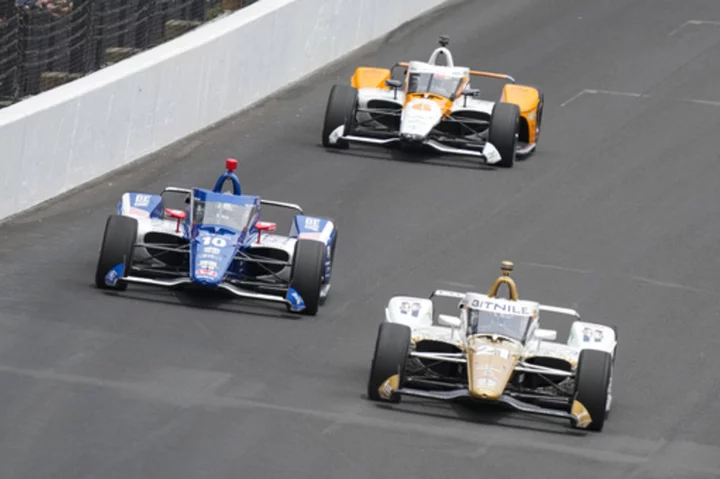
(444, 40)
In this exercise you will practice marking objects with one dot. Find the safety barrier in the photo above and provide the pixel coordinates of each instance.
(62, 138)
(44, 43)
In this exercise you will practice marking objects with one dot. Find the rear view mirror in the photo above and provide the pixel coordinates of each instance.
(179, 215)
(265, 226)
(393, 83)
(176, 214)
(450, 321)
(546, 334)
(471, 92)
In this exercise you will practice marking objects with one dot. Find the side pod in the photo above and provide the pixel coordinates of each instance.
(366, 77)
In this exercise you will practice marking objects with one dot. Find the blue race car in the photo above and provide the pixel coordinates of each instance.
(218, 241)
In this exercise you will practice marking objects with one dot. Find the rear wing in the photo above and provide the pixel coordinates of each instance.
(559, 310)
(477, 73)
(281, 204)
(499, 76)
(447, 294)
(443, 293)
(174, 189)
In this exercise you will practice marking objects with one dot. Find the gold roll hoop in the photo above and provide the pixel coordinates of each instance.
(506, 267)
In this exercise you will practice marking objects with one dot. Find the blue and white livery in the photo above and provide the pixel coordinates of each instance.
(218, 240)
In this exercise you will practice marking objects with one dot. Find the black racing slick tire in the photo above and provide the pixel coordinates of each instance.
(340, 110)
(307, 273)
(116, 248)
(390, 358)
(592, 383)
(332, 258)
(504, 132)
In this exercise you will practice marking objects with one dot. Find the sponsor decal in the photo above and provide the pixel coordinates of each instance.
(486, 382)
(206, 272)
(206, 264)
(312, 224)
(268, 238)
(421, 106)
(389, 386)
(296, 301)
(112, 277)
(487, 350)
(142, 200)
(501, 307)
(590, 335)
(410, 308)
(211, 250)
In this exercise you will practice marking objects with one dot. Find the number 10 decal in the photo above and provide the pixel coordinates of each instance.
(216, 241)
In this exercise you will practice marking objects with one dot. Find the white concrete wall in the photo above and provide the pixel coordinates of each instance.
(65, 137)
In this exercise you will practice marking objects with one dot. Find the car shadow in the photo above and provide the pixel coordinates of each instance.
(483, 415)
(207, 301)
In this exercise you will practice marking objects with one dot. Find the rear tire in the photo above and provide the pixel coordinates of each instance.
(116, 248)
(340, 111)
(390, 358)
(592, 384)
(503, 132)
(307, 273)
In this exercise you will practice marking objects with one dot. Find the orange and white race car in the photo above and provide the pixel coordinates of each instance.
(435, 107)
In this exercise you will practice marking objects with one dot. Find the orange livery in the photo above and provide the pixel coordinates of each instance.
(433, 105)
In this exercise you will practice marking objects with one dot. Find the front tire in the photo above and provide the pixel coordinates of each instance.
(332, 262)
(592, 385)
(503, 132)
(340, 111)
(116, 248)
(390, 359)
(307, 273)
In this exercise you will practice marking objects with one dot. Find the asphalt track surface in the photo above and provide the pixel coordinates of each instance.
(616, 215)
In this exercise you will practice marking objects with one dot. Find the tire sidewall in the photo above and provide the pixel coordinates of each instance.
(117, 247)
(592, 385)
(340, 110)
(392, 347)
(307, 273)
(503, 133)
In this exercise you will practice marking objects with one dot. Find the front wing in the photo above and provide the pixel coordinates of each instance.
(167, 278)
(488, 155)
(439, 389)
(578, 416)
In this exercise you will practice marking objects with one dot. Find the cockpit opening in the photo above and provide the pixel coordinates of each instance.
(513, 326)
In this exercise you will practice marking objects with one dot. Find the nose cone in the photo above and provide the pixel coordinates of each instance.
(419, 117)
(212, 255)
(490, 366)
